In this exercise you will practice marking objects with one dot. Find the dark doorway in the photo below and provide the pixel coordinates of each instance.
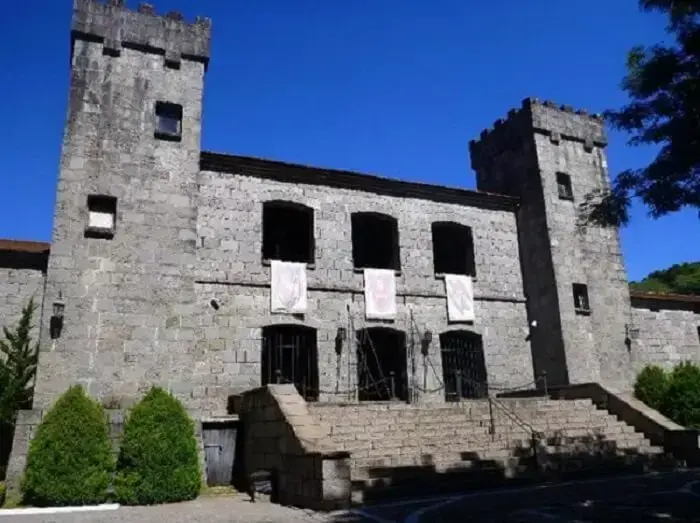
(463, 365)
(222, 452)
(381, 364)
(289, 355)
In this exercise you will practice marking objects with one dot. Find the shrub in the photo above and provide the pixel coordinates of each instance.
(681, 402)
(2, 493)
(70, 459)
(651, 386)
(158, 462)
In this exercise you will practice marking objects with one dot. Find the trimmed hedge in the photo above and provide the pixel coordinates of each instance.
(651, 386)
(158, 461)
(70, 459)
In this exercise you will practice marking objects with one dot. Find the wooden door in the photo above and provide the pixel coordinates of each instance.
(219, 441)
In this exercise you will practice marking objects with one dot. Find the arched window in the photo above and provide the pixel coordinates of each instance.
(463, 365)
(382, 370)
(375, 241)
(453, 249)
(288, 232)
(290, 355)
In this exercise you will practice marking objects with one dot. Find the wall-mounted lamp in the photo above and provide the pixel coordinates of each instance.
(340, 336)
(56, 322)
(425, 342)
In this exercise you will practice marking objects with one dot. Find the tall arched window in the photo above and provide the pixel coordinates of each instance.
(290, 355)
(382, 369)
(453, 249)
(375, 241)
(288, 232)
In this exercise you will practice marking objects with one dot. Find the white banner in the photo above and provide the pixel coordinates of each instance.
(288, 287)
(460, 297)
(380, 294)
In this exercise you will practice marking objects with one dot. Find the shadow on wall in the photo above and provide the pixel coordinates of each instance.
(555, 459)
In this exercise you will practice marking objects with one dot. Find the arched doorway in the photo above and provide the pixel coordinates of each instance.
(290, 355)
(463, 365)
(381, 364)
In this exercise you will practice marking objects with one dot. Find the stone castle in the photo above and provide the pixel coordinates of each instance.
(160, 269)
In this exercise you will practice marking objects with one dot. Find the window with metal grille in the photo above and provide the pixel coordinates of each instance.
(288, 232)
(453, 249)
(375, 241)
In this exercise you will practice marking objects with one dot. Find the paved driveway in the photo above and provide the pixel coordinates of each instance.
(670, 497)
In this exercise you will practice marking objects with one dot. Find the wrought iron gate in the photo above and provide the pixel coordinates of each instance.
(289, 355)
(382, 364)
(463, 365)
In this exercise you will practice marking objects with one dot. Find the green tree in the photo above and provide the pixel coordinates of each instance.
(70, 460)
(682, 278)
(158, 460)
(651, 386)
(18, 361)
(663, 84)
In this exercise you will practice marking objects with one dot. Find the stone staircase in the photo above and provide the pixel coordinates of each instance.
(398, 448)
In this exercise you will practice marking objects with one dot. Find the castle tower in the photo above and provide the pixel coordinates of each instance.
(575, 281)
(124, 232)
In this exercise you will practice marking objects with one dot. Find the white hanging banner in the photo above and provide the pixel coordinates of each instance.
(460, 297)
(288, 287)
(380, 294)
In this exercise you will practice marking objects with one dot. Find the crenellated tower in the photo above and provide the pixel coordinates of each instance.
(124, 232)
(551, 157)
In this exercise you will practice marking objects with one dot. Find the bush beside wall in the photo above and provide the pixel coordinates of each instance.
(158, 460)
(70, 459)
(675, 394)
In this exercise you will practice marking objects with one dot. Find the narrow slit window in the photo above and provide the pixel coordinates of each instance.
(581, 303)
(564, 186)
(288, 232)
(102, 216)
(168, 121)
(375, 241)
(453, 249)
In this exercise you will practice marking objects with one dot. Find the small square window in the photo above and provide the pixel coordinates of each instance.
(564, 186)
(102, 216)
(168, 121)
(581, 303)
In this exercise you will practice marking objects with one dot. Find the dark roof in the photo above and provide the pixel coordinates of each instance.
(295, 173)
(24, 246)
(18, 254)
(678, 298)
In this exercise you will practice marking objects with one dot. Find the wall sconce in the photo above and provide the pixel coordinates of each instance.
(56, 322)
(340, 336)
(425, 342)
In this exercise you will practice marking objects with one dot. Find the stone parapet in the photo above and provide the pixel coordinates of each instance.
(283, 438)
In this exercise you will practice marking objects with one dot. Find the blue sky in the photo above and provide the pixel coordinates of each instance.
(392, 87)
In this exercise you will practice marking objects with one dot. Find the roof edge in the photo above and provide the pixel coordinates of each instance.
(341, 179)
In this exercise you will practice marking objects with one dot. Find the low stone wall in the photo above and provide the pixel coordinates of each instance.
(283, 438)
(28, 422)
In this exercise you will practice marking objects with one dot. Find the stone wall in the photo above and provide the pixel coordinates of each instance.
(22, 276)
(283, 438)
(230, 270)
(665, 331)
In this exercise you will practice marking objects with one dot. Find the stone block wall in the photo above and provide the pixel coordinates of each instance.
(665, 332)
(282, 437)
(22, 277)
(230, 271)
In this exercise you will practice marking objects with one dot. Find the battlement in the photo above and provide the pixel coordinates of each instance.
(117, 26)
(559, 122)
